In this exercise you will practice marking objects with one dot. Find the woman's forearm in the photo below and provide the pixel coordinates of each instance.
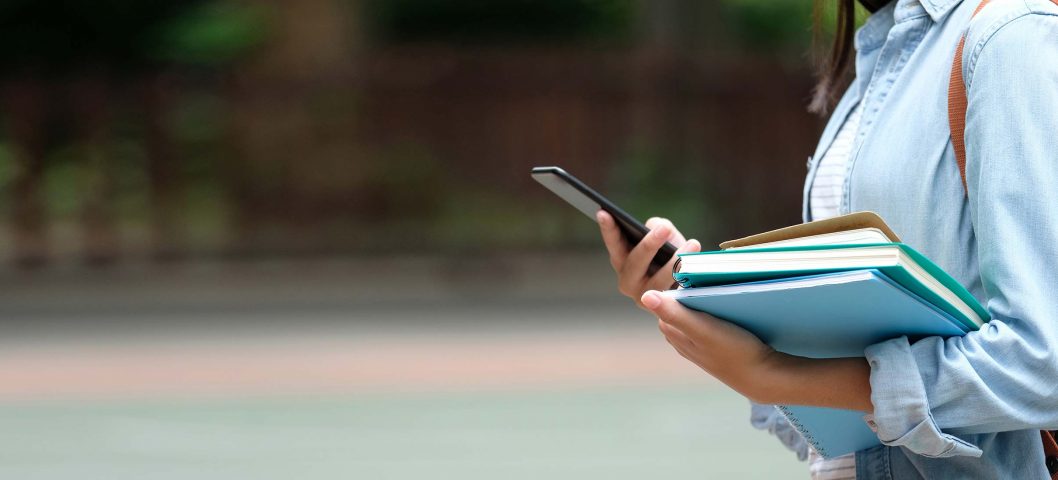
(833, 382)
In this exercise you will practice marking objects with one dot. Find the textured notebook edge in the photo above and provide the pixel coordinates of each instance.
(805, 434)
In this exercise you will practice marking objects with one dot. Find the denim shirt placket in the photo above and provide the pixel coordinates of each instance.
(910, 23)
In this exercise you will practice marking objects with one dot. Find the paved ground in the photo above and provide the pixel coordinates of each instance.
(527, 368)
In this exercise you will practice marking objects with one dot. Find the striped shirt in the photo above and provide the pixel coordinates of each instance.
(837, 468)
(828, 188)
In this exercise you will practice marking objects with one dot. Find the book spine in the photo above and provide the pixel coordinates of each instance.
(811, 439)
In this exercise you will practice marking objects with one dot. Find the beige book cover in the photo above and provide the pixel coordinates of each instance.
(841, 223)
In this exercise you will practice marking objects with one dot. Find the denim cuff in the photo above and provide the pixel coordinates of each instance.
(901, 408)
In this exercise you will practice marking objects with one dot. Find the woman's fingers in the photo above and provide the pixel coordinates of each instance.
(612, 238)
(680, 342)
(693, 324)
(676, 238)
(674, 334)
(633, 262)
(662, 279)
(725, 350)
(683, 351)
(633, 272)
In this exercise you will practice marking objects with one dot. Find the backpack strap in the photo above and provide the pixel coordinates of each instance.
(957, 104)
(1050, 452)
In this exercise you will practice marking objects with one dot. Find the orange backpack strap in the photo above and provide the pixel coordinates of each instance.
(957, 104)
(1050, 452)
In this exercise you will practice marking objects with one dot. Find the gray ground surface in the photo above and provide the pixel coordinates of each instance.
(526, 368)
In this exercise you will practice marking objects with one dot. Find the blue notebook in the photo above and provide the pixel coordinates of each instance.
(825, 316)
(899, 262)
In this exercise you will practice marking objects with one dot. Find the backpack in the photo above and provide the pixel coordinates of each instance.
(957, 123)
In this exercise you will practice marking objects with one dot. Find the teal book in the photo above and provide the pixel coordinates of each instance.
(899, 262)
(829, 315)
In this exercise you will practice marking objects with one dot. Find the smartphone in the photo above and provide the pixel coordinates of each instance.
(588, 201)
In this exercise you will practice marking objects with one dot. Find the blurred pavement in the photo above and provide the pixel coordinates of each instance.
(520, 367)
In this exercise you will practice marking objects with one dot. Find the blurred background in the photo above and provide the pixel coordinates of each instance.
(278, 238)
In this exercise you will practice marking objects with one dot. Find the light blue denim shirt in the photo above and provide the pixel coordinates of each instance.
(967, 407)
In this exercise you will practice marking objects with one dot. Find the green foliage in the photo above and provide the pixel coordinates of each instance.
(58, 37)
(126, 34)
(127, 169)
(647, 183)
(405, 181)
(198, 118)
(206, 214)
(214, 33)
(66, 180)
(500, 21)
(770, 24)
(780, 25)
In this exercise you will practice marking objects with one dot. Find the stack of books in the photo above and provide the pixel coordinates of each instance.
(827, 289)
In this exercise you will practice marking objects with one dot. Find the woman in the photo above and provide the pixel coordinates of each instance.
(965, 407)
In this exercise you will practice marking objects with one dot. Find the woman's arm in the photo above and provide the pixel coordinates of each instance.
(740, 360)
(1005, 376)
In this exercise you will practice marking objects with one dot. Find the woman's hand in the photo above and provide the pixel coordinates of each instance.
(631, 263)
(724, 350)
(750, 367)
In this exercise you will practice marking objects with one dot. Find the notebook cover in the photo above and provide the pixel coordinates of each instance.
(841, 223)
(839, 316)
(898, 274)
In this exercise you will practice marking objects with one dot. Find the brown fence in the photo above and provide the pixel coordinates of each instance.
(405, 142)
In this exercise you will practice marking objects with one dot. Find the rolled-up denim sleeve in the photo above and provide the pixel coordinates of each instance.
(1003, 377)
(902, 413)
(768, 418)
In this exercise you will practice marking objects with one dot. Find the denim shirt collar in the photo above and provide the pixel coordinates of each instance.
(874, 31)
(936, 9)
